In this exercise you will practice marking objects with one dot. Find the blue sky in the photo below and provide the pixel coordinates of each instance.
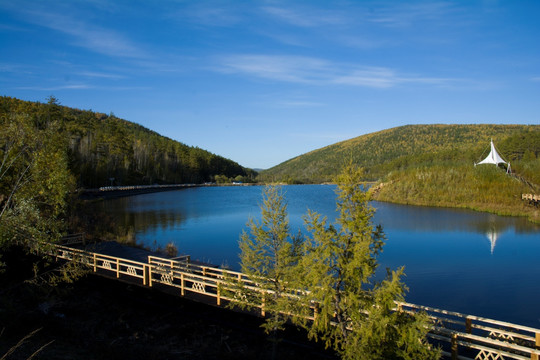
(260, 82)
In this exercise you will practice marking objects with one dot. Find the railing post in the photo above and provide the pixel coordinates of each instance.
(95, 263)
(144, 275)
(263, 313)
(150, 275)
(534, 356)
(182, 283)
(538, 340)
(454, 347)
(117, 268)
(218, 297)
(468, 325)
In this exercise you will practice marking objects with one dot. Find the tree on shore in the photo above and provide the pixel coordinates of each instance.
(334, 273)
(269, 254)
(34, 179)
(354, 312)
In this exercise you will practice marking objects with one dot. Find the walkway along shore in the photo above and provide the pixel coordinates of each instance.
(109, 192)
(461, 336)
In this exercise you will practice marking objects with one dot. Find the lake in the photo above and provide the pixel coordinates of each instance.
(460, 260)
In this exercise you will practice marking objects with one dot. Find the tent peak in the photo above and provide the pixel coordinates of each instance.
(494, 158)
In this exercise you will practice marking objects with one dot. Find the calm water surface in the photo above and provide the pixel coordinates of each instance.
(471, 262)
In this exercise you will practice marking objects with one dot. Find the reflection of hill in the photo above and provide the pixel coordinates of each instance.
(420, 218)
(140, 218)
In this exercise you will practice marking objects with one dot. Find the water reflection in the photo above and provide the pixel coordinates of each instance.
(492, 236)
(178, 210)
(425, 218)
(449, 254)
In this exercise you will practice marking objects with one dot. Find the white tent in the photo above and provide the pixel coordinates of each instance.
(494, 158)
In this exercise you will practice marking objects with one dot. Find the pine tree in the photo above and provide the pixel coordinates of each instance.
(268, 256)
(354, 314)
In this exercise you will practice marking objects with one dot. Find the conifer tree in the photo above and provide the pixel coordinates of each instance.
(354, 313)
(268, 256)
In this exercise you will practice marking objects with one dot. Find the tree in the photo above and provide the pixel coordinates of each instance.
(269, 254)
(34, 181)
(354, 313)
(221, 179)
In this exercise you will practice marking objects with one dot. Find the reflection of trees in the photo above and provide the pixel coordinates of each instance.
(419, 218)
(490, 223)
(143, 220)
(128, 220)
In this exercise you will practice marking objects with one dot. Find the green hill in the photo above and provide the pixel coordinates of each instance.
(433, 165)
(396, 148)
(105, 150)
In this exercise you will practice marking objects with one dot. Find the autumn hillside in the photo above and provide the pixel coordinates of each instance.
(433, 165)
(106, 150)
(388, 150)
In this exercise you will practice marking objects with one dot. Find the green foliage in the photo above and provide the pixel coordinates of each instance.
(105, 150)
(338, 267)
(333, 271)
(268, 256)
(221, 179)
(484, 187)
(433, 165)
(387, 150)
(34, 180)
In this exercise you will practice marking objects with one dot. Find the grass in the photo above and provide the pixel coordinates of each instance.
(483, 188)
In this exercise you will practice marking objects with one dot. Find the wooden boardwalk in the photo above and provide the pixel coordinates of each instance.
(531, 198)
(461, 336)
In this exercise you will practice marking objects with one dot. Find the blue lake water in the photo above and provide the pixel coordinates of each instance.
(471, 262)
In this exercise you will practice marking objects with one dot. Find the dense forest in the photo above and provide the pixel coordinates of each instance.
(400, 147)
(106, 150)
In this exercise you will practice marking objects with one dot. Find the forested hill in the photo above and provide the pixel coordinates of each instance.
(397, 148)
(105, 150)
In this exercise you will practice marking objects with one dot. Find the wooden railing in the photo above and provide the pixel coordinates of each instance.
(462, 336)
(531, 198)
(73, 239)
(483, 338)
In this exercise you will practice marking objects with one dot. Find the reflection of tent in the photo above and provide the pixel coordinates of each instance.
(494, 158)
(492, 236)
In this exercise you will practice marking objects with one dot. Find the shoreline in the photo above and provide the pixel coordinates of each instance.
(533, 217)
(112, 192)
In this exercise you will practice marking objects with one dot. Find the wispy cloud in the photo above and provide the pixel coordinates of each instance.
(298, 104)
(92, 37)
(405, 14)
(305, 17)
(203, 14)
(56, 88)
(316, 71)
(386, 78)
(299, 69)
(100, 75)
(14, 68)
